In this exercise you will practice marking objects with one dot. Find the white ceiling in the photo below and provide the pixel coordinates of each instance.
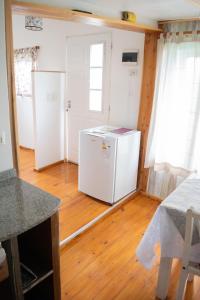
(147, 11)
(153, 9)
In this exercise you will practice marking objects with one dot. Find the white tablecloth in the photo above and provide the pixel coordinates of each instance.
(168, 225)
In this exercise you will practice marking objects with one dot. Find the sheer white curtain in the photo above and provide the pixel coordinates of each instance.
(173, 148)
(25, 61)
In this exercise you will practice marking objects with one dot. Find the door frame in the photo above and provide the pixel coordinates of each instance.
(149, 66)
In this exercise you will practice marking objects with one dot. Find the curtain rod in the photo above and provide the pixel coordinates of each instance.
(161, 22)
(177, 33)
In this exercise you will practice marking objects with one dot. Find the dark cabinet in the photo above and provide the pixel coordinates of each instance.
(33, 264)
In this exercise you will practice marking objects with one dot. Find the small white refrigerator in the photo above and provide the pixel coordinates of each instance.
(108, 162)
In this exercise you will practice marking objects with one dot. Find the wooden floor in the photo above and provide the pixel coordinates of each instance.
(76, 209)
(101, 263)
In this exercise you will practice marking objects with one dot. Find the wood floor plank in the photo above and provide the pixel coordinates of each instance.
(101, 263)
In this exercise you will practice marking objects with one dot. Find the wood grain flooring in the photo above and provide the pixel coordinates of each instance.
(101, 263)
(61, 180)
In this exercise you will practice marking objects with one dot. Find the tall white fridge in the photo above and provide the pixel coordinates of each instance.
(108, 162)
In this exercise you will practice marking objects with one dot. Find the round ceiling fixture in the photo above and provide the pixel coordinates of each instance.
(33, 23)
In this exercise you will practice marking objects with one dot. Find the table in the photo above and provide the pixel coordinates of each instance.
(29, 233)
(167, 228)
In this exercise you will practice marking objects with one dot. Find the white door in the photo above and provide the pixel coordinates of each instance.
(48, 116)
(87, 103)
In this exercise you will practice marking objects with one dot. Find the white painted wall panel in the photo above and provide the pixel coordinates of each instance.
(48, 114)
(125, 80)
(25, 122)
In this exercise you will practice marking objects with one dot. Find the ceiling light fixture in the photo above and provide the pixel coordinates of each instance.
(33, 23)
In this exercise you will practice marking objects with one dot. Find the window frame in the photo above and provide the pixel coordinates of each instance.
(103, 67)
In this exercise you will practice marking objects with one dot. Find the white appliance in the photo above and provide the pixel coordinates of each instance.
(108, 163)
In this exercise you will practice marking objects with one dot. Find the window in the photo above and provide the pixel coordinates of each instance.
(96, 77)
(25, 62)
(23, 77)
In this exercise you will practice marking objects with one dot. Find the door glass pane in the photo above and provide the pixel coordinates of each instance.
(95, 100)
(96, 55)
(96, 78)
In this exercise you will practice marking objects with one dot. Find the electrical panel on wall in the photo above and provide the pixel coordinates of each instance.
(130, 57)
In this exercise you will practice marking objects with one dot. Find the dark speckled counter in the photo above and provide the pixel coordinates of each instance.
(22, 206)
(29, 234)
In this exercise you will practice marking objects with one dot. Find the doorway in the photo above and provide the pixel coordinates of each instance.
(86, 209)
(88, 86)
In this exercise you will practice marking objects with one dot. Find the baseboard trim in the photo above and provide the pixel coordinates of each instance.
(49, 166)
(151, 196)
(71, 161)
(100, 217)
(26, 148)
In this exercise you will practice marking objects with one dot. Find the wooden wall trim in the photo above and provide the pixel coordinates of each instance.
(146, 102)
(46, 11)
(11, 80)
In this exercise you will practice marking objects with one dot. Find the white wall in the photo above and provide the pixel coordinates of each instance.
(51, 40)
(5, 150)
(25, 122)
(125, 80)
(124, 89)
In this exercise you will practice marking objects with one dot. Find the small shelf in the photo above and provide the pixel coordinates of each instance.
(37, 281)
(35, 257)
(32, 275)
(33, 264)
(42, 291)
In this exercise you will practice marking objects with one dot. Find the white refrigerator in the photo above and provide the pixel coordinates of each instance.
(108, 163)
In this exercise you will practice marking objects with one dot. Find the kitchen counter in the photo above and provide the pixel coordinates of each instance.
(29, 234)
(22, 206)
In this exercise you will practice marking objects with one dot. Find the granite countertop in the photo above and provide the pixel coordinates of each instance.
(22, 205)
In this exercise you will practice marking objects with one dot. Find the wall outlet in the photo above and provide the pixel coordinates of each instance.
(2, 138)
